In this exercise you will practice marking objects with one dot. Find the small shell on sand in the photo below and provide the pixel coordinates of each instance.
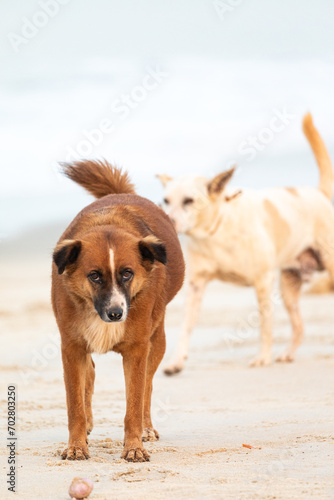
(80, 488)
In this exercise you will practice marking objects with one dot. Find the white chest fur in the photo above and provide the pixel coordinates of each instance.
(101, 337)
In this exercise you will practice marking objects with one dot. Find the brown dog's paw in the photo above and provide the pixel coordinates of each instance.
(75, 453)
(89, 427)
(135, 455)
(150, 434)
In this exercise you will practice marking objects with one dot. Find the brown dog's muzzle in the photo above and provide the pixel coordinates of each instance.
(115, 314)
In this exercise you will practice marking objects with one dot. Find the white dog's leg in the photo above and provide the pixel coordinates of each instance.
(291, 283)
(263, 287)
(195, 292)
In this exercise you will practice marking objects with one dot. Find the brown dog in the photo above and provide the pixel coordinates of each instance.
(115, 269)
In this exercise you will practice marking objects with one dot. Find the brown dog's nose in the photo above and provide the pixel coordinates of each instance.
(115, 314)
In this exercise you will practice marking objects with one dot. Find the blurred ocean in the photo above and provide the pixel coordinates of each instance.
(195, 120)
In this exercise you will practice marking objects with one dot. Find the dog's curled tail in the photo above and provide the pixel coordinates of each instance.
(98, 177)
(326, 184)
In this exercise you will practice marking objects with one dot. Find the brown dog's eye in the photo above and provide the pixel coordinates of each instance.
(188, 201)
(127, 275)
(166, 201)
(95, 277)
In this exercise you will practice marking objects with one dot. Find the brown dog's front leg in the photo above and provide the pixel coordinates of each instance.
(134, 365)
(157, 350)
(74, 363)
(89, 389)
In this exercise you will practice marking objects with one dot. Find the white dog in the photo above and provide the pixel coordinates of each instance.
(245, 236)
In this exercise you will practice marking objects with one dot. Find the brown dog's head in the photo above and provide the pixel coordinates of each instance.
(185, 198)
(107, 268)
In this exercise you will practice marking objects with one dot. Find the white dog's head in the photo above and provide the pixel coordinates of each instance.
(186, 198)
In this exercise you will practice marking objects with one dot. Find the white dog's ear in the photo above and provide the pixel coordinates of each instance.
(233, 196)
(218, 183)
(164, 179)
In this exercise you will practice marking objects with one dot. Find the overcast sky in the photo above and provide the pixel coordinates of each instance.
(230, 65)
(151, 29)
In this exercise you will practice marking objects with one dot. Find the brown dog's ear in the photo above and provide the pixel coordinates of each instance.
(218, 183)
(152, 249)
(66, 253)
(164, 179)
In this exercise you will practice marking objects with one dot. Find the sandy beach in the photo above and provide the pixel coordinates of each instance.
(204, 415)
(172, 89)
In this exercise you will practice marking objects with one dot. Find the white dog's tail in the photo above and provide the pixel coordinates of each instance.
(326, 184)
